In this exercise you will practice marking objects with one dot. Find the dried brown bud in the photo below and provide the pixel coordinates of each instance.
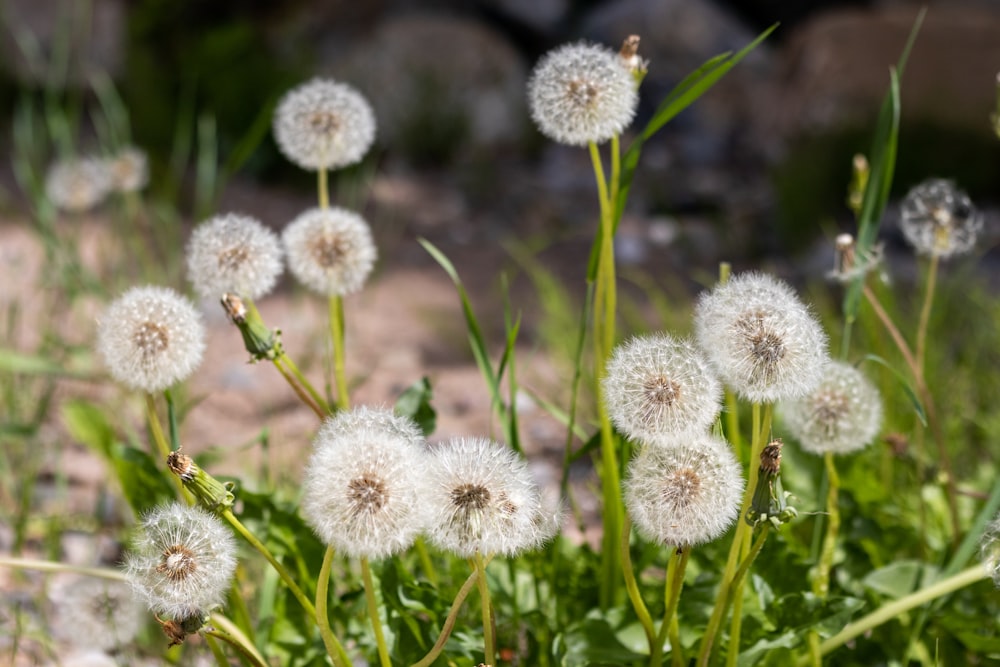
(182, 465)
(770, 457)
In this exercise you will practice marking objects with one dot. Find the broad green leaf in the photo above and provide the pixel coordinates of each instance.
(415, 403)
(88, 424)
(896, 579)
(593, 642)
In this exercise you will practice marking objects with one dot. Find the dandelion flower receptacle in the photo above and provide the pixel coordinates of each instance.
(323, 124)
(761, 339)
(233, 253)
(656, 385)
(362, 486)
(582, 93)
(939, 220)
(330, 250)
(842, 415)
(182, 561)
(685, 491)
(150, 338)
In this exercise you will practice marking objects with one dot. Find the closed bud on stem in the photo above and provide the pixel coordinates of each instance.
(260, 342)
(769, 501)
(860, 171)
(210, 493)
(630, 56)
(178, 631)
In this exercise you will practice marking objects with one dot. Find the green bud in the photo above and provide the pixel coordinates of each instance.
(260, 342)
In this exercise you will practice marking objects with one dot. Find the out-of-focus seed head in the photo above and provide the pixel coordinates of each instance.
(129, 170)
(939, 220)
(324, 124)
(96, 613)
(330, 251)
(762, 341)
(481, 498)
(656, 385)
(684, 490)
(841, 415)
(363, 483)
(582, 93)
(77, 185)
(989, 550)
(150, 338)
(233, 253)
(181, 561)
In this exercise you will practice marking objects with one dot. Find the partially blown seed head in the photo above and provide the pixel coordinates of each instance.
(363, 481)
(330, 251)
(841, 415)
(657, 385)
(129, 170)
(97, 613)
(582, 93)
(323, 124)
(233, 253)
(939, 220)
(150, 338)
(684, 490)
(79, 184)
(762, 341)
(182, 561)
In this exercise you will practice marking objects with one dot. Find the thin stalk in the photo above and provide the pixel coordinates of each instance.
(425, 561)
(337, 337)
(674, 584)
(323, 188)
(925, 311)
(304, 382)
(489, 646)
(821, 581)
(220, 657)
(733, 421)
(373, 613)
(333, 646)
(889, 611)
(279, 568)
(162, 447)
(53, 566)
(632, 587)
(449, 622)
(581, 338)
(297, 388)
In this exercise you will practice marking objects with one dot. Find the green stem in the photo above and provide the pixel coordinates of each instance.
(925, 311)
(220, 657)
(337, 337)
(304, 382)
(162, 447)
(889, 611)
(333, 646)
(321, 186)
(53, 566)
(675, 582)
(449, 622)
(373, 613)
(632, 587)
(489, 646)
(425, 561)
(298, 389)
(228, 631)
(821, 580)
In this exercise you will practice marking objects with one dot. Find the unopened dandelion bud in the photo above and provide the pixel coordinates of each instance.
(178, 631)
(939, 220)
(260, 342)
(630, 56)
(210, 493)
(769, 502)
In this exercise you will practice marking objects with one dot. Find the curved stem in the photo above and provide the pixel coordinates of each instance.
(489, 645)
(632, 587)
(373, 614)
(449, 622)
(304, 382)
(925, 311)
(297, 388)
(333, 646)
(675, 582)
(337, 337)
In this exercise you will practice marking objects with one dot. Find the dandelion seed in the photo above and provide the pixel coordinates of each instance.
(481, 499)
(843, 414)
(77, 185)
(150, 338)
(129, 170)
(323, 124)
(233, 253)
(582, 93)
(939, 220)
(684, 490)
(989, 551)
(96, 613)
(656, 385)
(362, 483)
(330, 251)
(762, 341)
(182, 561)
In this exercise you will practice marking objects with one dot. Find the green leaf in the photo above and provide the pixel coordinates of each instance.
(13, 361)
(899, 578)
(593, 642)
(87, 423)
(918, 407)
(144, 483)
(415, 403)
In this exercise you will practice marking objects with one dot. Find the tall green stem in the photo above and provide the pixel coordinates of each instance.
(162, 446)
(337, 338)
(489, 647)
(925, 311)
(298, 389)
(333, 646)
(323, 188)
(449, 621)
(632, 587)
(373, 614)
(304, 382)
(674, 584)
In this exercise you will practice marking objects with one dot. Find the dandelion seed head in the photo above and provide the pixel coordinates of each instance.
(939, 220)
(684, 490)
(233, 253)
(760, 339)
(78, 184)
(96, 613)
(582, 93)
(150, 338)
(330, 251)
(989, 551)
(129, 170)
(181, 561)
(657, 385)
(363, 483)
(841, 415)
(323, 124)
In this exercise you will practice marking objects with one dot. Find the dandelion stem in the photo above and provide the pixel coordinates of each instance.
(821, 580)
(373, 613)
(229, 632)
(674, 584)
(484, 596)
(162, 447)
(925, 311)
(53, 566)
(337, 337)
(333, 646)
(220, 657)
(297, 388)
(323, 188)
(449, 622)
(304, 383)
(632, 587)
(425, 560)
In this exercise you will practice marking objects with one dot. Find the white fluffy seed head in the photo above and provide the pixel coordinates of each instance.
(96, 613)
(760, 338)
(989, 551)
(939, 220)
(330, 250)
(363, 481)
(233, 253)
(181, 561)
(150, 338)
(129, 170)
(481, 499)
(841, 415)
(323, 124)
(684, 490)
(656, 385)
(582, 93)
(79, 184)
